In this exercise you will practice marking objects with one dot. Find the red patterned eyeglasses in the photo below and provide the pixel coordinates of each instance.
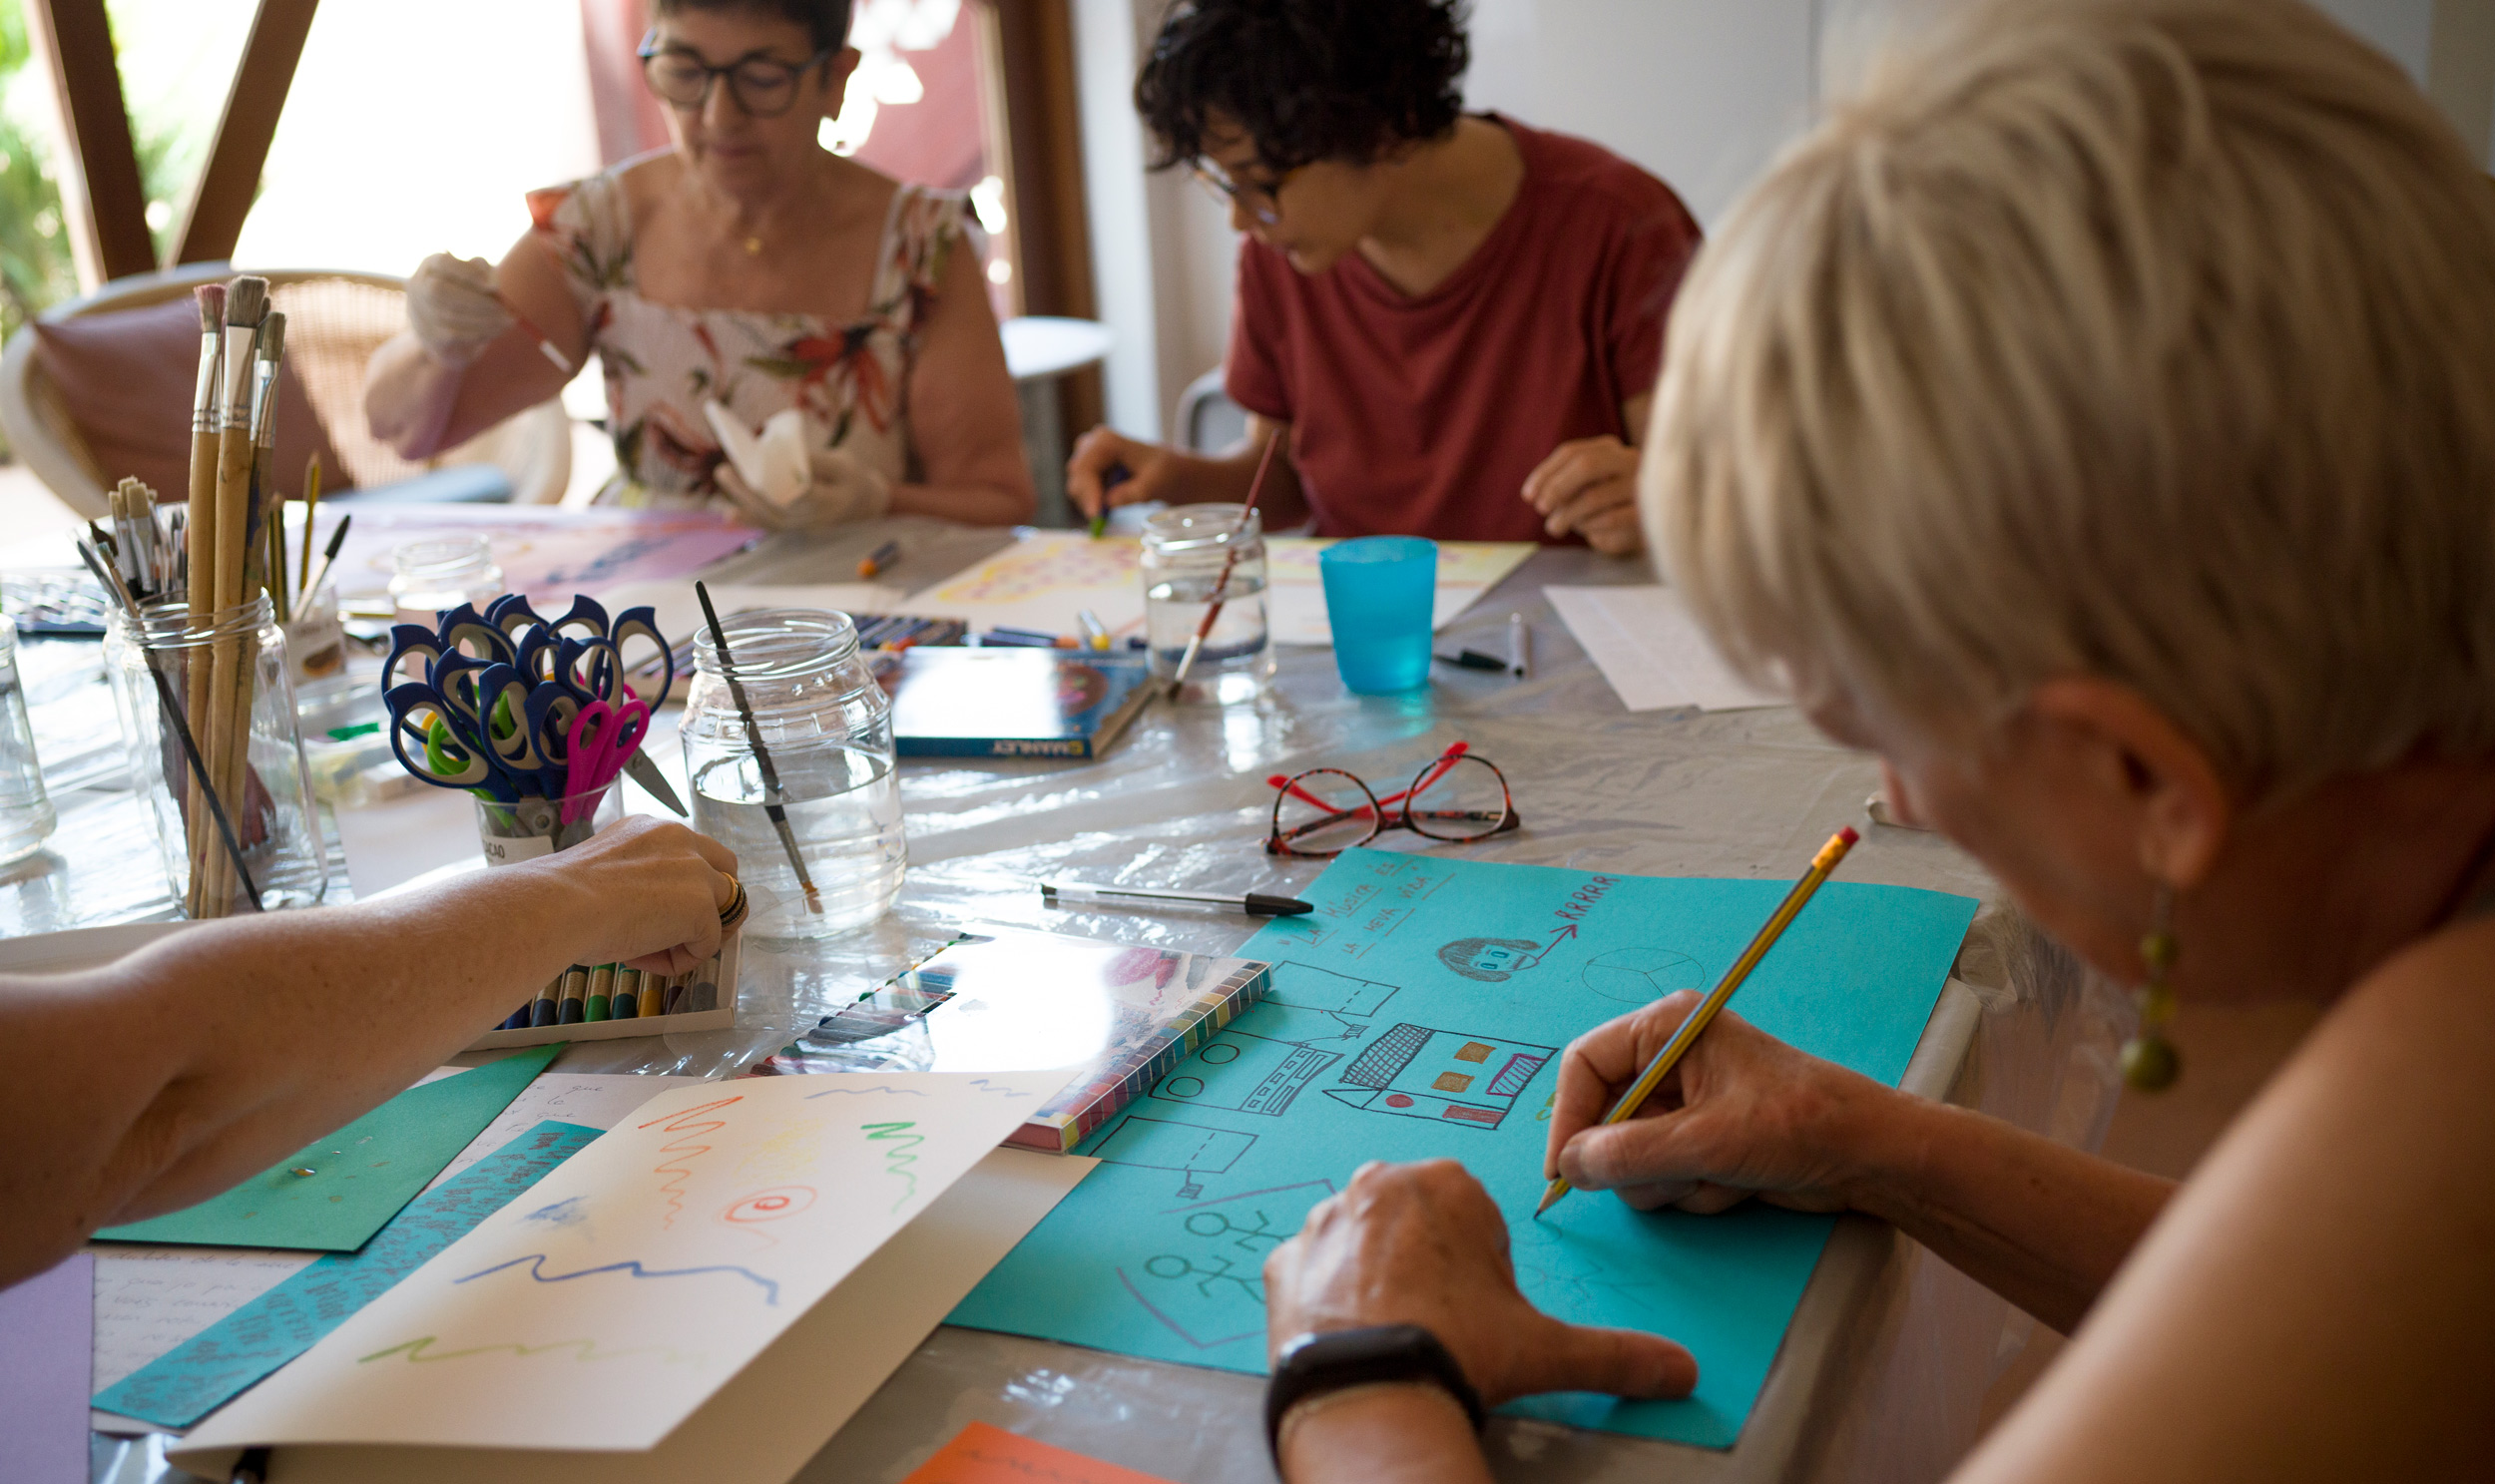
(1324, 811)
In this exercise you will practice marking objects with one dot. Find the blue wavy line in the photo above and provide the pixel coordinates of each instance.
(1007, 1093)
(859, 1092)
(537, 1271)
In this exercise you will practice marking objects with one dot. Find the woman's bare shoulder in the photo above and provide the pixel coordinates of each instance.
(2317, 1301)
(645, 179)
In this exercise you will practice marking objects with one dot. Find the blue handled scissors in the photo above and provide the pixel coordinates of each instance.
(444, 754)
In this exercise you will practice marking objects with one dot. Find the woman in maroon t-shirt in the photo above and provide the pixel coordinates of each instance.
(1452, 322)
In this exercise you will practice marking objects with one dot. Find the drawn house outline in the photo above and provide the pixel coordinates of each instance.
(1193, 1150)
(1454, 1076)
(1245, 1073)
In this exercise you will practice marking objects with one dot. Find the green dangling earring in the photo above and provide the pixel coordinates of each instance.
(2150, 1061)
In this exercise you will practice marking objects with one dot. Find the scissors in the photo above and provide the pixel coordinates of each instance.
(445, 754)
(603, 737)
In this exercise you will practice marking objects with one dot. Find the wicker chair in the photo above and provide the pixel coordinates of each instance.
(335, 320)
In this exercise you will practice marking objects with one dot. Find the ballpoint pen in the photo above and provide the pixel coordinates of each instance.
(1253, 904)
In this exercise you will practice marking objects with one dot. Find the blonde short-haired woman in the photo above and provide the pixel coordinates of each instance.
(2096, 419)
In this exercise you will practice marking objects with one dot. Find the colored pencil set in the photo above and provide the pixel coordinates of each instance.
(587, 994)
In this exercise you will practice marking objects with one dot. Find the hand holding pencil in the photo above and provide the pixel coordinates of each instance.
(1638, 1069)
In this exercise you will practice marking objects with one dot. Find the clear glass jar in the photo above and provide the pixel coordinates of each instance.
(442, 573)
(1184, 551)
(26, 816)
(227, 681)
(788, 744)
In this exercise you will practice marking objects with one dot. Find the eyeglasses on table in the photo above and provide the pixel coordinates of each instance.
(1458, 796)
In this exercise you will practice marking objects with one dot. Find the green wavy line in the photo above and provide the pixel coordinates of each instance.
(898, 1160)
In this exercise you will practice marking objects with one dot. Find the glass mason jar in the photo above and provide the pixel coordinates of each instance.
(788, 746)
(1184, 551)
(228, 685)
(26, 816)
(434, 575)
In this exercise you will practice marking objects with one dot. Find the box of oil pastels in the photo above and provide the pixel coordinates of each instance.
(603, 1002)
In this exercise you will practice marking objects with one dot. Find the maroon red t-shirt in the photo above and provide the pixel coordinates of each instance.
(1422, 417)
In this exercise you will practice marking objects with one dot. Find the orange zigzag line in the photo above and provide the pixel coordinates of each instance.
(674, 1123)
(415, 1349)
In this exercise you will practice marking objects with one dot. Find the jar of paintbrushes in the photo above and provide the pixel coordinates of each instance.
(195, 647)
(788, 744)
(236, 831)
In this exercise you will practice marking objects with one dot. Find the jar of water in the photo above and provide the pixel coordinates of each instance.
(26, 816)
(434, 575)
(1186, 551)
(788, 744)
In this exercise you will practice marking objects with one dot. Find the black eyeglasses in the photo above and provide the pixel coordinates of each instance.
(1261, 202)
(763, 88)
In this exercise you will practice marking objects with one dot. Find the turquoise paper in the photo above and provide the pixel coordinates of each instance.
(227, 1359)
(333, 1195)
(1418, 1014)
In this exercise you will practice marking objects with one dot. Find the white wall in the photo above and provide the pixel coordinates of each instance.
(1700, 92)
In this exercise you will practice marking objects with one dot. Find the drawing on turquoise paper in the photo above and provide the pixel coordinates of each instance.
(1250, 1073)
(1450, 1076)
(1206, 1284)
(1641, 976)
(1192, 1149)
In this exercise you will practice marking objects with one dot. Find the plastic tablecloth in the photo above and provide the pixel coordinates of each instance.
(1883, 1373)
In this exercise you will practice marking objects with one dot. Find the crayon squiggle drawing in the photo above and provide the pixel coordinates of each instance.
(897, 1160)
(537, 1271)
(1010, 1095)
(777, 1204)
(688, 1122)
(419, 1351)
(781, 1188)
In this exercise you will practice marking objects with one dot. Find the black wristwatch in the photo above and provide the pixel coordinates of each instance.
(1314, 1365)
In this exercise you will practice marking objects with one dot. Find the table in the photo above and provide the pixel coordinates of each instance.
(1890, 1354)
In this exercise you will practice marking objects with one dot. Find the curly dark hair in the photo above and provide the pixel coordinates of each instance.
(1308, 80)
(827, 20)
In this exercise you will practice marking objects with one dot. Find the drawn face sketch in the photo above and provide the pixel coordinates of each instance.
(1490, 960)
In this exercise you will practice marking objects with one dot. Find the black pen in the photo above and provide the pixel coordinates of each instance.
(1253, 904)
(1473, 660)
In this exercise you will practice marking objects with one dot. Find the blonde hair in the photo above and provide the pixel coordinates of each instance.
(2146, 339)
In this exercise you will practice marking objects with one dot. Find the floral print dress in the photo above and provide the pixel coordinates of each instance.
(662, 361)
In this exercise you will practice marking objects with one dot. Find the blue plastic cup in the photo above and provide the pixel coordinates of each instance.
(1378, 593)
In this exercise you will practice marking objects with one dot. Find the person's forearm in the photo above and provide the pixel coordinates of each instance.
(408, 397)
(2042, 1224)
(297, 1022)
(1397, 1435)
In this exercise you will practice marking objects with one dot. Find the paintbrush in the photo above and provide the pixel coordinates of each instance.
(199, 557)
(268, 508)
(114, 590)
(229, 701)
(1230, 559)
(328, 554)
(771, 805)
(311, 508)
(545, 343)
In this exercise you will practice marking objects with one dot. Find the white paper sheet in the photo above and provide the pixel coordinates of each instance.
(151, 1299)
(633, 1282)
(679, 611)
(782, 1408)
(1043, 583)
(1651, 650)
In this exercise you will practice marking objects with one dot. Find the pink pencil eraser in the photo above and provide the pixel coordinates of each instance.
(1849, 837)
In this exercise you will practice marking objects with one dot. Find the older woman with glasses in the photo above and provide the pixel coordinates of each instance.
(2095, 418)
(741, 274)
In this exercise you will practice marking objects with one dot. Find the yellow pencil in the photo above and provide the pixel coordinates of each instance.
(1686, 1037)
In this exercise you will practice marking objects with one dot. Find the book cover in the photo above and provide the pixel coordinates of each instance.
(1013, 703)
(997, 1000)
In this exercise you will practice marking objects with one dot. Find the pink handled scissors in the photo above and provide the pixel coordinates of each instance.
(604, 738)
